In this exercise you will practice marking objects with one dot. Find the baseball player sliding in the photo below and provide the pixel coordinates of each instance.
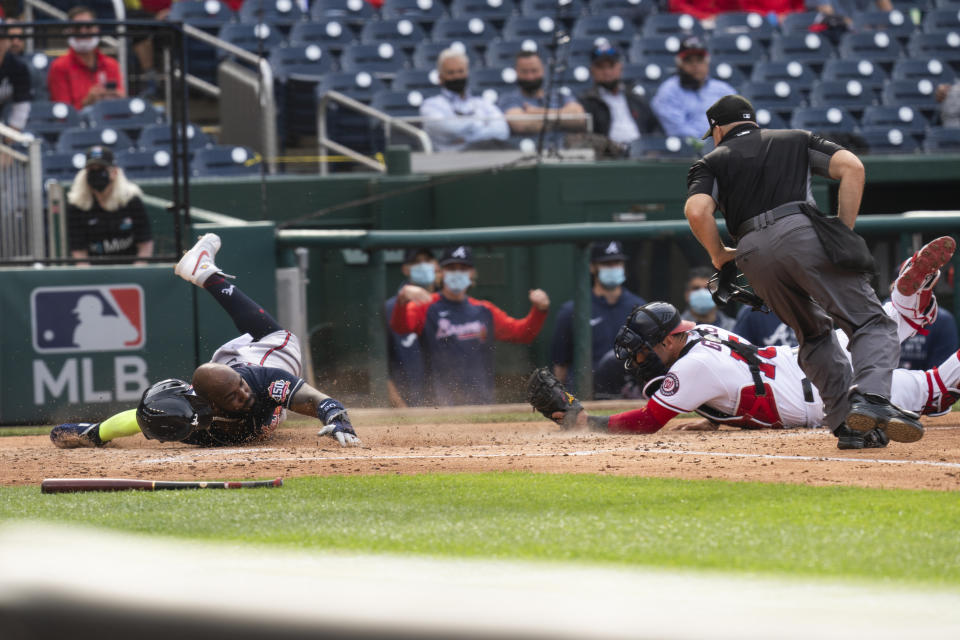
(240, 396)
(722, 377)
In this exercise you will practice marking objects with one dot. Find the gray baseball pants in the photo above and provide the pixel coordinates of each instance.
(786, 265)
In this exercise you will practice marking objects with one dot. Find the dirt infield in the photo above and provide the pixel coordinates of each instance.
(392, 444)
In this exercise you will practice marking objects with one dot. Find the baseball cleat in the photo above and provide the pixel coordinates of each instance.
(197, 264)
(850, 439)
(922, 270)
(76, 435)
(869, 411)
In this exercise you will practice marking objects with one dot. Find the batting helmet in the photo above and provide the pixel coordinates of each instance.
(647, 326)
(170, 411)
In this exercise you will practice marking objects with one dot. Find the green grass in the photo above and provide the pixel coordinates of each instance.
(853, 533)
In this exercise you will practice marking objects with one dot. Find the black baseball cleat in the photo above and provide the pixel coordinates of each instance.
(869, 411)
(75, 435)
(850, 439)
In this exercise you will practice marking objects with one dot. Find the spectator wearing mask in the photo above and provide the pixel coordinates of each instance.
(701, 309)
(84, 75)
(105, 213)
(456, 120)
(526, 108)
(682, 100)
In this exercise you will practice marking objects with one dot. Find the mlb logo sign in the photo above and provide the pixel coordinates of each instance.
(91, 318)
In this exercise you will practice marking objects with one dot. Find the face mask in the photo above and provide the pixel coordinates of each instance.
(98, 178)
(83, 45)
(422, 274)
(530, 86)
(611, 85)
(687, 81)
(611, 277)
(701, 301)
(456, 281)
(457, 85)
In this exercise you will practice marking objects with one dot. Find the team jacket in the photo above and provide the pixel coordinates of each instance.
(716, 382)
(457, 340)
(272, 391)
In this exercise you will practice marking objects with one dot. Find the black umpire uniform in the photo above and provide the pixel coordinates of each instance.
(758, 179)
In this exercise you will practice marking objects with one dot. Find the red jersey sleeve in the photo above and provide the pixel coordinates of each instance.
(57, 83)
(409, 317)
(649, 419)
(512, 329)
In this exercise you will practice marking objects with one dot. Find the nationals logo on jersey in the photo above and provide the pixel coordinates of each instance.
(670, 385)
(279, 390)
(91, 318)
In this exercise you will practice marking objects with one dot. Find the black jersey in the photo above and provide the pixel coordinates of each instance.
(754, 170)
(14, 80)
(108, 233)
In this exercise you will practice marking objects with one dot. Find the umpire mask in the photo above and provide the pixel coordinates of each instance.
(98, 178)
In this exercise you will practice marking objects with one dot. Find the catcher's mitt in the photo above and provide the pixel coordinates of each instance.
(724, 288)
(548, 396)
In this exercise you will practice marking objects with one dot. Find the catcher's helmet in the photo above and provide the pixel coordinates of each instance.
(170, 411)
(647, 326)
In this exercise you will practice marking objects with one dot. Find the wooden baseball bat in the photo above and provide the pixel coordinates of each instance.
(67, 485)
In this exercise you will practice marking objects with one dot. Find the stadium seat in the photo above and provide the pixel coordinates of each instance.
(614, 28)
(740, 50)
(917, 69)
(425, 54)
(224, 161)
(76, 139)
(647, 72)
(742, 22)
(798, 75)
(423, 12)
(895, 22)
(279, 13)
(39, 65)
(298, 70)
(539, 29)
(870, 74)
(201, 14)
(823, 119)
(905, 119)
(798, 22)
(62, 167)
(651, 146)
(579, 51)
(658, 48)
(768, 118)
(881, 139)
(158, 136)
(468, 31)
(575, 80)
(374, 58)
(360, 85)
(140, 165)
(777, 95)
(129, 114)
(250, 37)
(565, 10)
(809, 48)
(344, 125)
(501, 53)
(851, 94)
(48, 119)
(917, 94)
(675, 24)
(942, 20)
(942, 140)
(875, 46)
(420, 79)
(493, 83)
(495, 11)
(332, 35)
(353, 12)
(636, 11)
(402, 104)
(402, 33)
(729, 73)
(944, 46)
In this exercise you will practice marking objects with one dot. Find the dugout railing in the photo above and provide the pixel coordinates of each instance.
(908, 226)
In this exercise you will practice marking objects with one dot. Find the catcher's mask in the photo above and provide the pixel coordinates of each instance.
(647, 326)
(170, 411)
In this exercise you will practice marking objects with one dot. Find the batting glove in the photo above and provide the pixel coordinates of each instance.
(343, 431)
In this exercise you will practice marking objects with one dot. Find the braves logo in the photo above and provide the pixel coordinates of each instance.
(670, 385)
(88, 318)
(279, 390)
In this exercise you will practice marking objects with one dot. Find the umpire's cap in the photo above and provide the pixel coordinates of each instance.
(731, 108)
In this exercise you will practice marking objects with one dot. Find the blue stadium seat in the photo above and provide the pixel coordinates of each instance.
(676, 24)
(797, 74)
(942, 140)
(201, 14)
(62, 167)
(493, 83)
(359, 85)
(870, 74)
(917, 94)
(354, 12)
(501, 53)
(575, 80)
(425, 54)
(158, 136)
(580, 50)
(916, 69)
(809, 48)
(566, 10)
(650, 146)
(129, 114)
(614, 28)
(881, 139)
(944, 46)
(636, 11)
(225, 161)
(540, 29)
(729, 73)
(777, 95)
(768, 118)
(876, 46)
(140, 165)
(823, 119)
(798, 22)
(741, 50)
(402, 33)
(654, 47)
(251, 37)
(48, 119)
(468, 31)
(423, 12)
(402, 104)
(279, 13)
(39, 65)
(344, 125)
(896, 23)
(309, 61)
(647, 72)
(331, 34)
(298, 70)
(851, 94)
(749, 23)
(375, 58)
(903, 118)
(76, 139)
(424, 80)
(942, 20)
(495, 11)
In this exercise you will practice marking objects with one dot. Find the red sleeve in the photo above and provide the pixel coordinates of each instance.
(649, 419)
(57, 83)
(409, 317)
(112, 67)
(511, 329)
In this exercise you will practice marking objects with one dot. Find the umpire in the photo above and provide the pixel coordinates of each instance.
(760, 181)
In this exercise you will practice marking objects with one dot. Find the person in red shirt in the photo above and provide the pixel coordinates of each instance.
(84, 75)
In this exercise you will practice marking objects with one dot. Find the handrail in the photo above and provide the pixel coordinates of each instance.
(324, 143)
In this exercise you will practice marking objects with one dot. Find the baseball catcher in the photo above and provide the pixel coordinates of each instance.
(686, 368)
(240, 396)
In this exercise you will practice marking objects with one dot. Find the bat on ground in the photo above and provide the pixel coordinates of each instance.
(67, 485)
